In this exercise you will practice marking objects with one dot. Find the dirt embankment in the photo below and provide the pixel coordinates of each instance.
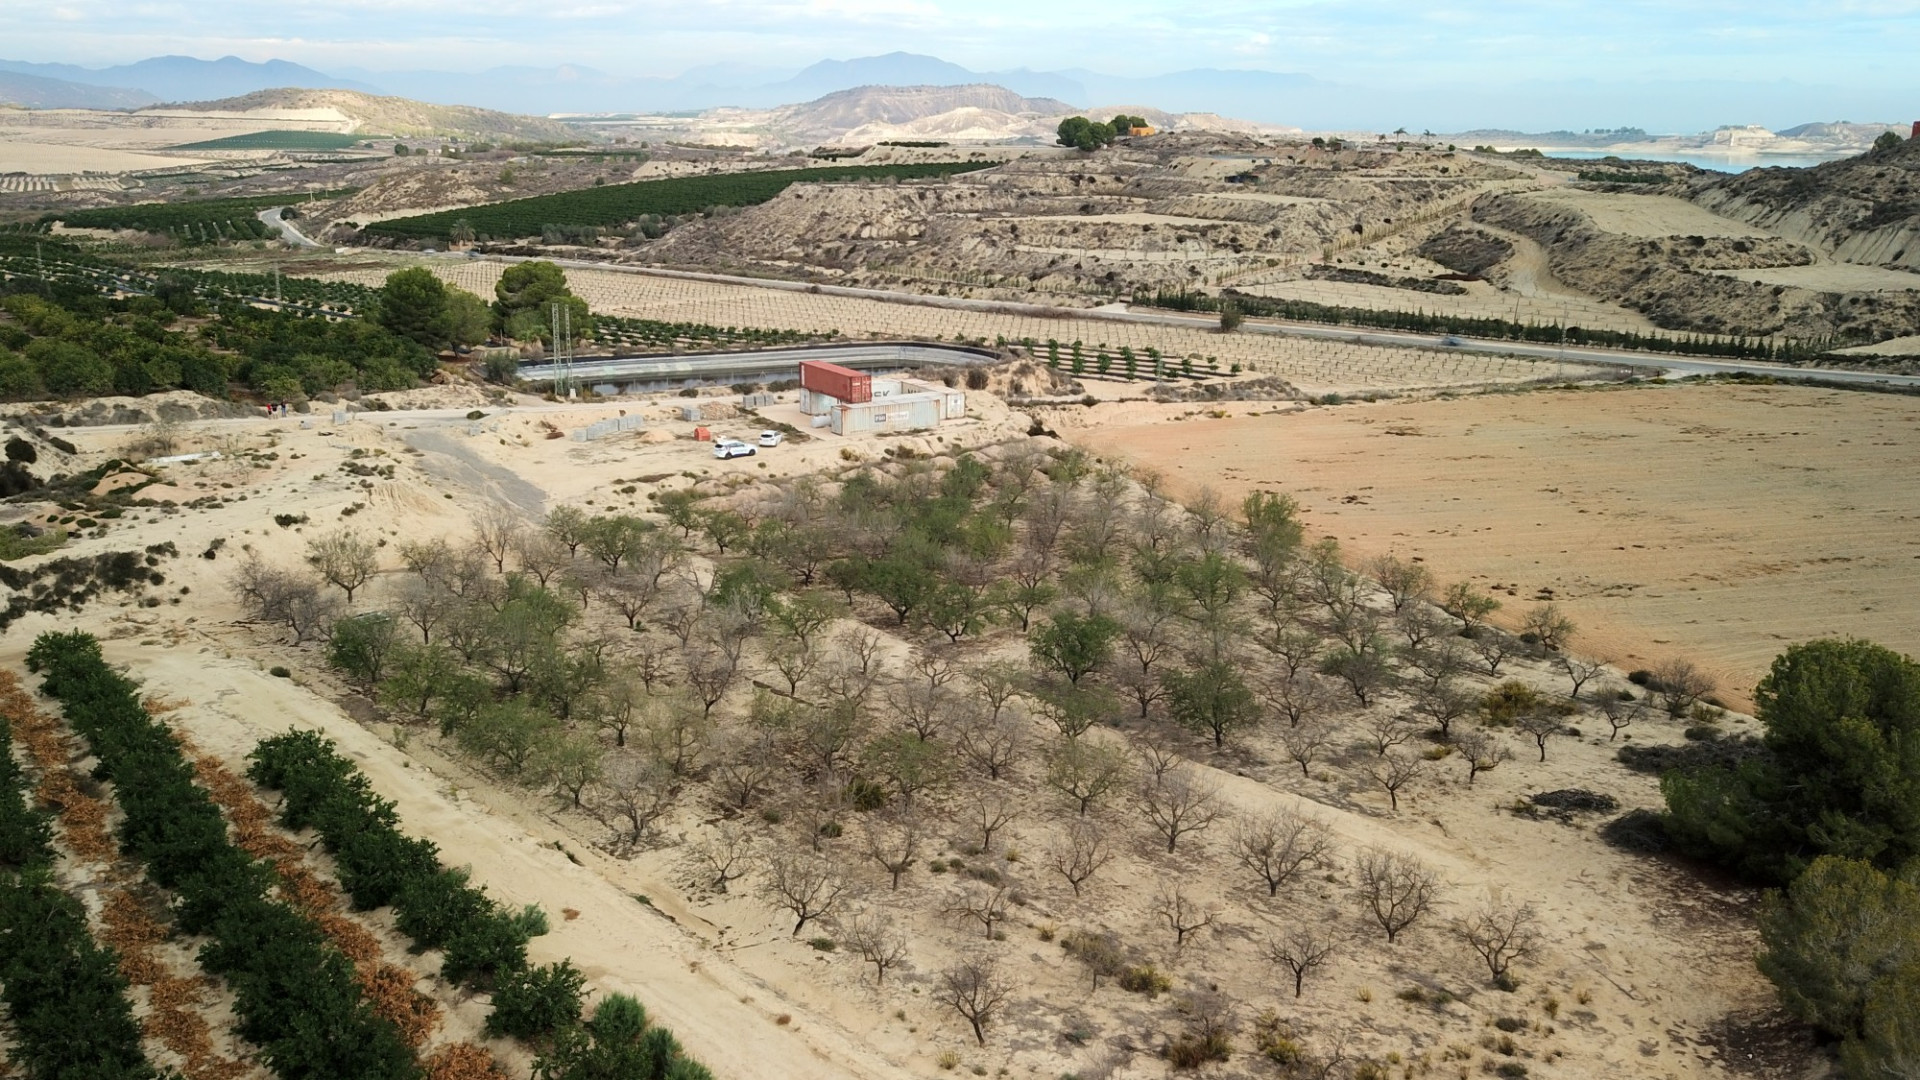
(1678, 281)
(1863, 209)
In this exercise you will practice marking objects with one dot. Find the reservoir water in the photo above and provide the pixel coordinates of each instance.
(1726, 163)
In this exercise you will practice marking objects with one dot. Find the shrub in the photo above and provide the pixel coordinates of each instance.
(279, 672)
(1145, 979)
(535, 1004)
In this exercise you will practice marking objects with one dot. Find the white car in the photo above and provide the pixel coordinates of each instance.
(771, 438)
(731, 448)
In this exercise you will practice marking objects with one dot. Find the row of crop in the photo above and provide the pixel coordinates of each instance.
(485, 944)
(1742, 348)
(188, 218)
(65, 1000)
(294, 995)
(614, 331)
(616, 204)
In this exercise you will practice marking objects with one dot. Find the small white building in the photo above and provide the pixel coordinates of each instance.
(849, 403)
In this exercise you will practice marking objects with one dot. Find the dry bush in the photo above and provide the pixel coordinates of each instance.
(1304, 948)
(463, 1061)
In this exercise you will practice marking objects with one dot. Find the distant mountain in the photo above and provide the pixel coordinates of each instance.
(40, 92)
(834, 115)
(372, 114)
(907, 69)
(183, 78)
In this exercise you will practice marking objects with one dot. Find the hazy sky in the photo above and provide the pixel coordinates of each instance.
(1846, 50)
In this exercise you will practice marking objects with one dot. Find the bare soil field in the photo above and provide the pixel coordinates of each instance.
(1647, 215)
(1717, 522)
(1832, 277)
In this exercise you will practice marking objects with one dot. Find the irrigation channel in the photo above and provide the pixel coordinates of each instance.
(638, 374)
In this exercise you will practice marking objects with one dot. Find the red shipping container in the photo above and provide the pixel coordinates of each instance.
(845, 384)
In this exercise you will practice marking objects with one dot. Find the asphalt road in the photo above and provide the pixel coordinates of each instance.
(1672, 365)
(272, 220)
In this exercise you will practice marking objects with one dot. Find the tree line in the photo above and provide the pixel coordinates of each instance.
(1235, 304)
(484, 944)
(66, 1002)
(294, 994)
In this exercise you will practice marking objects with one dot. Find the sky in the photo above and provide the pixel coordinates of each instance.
(1832, 55)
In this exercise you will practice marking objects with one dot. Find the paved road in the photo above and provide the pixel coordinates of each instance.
(272, 220)
(1675, 365)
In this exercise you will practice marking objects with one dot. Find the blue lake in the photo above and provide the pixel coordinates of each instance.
(1727, 163)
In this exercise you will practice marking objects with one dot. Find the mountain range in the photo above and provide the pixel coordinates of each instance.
(1298, 100)
(570, 88)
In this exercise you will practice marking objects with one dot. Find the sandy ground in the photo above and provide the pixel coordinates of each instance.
(1642, 970)
(1719, 523)
(20, 155)
(1647, 215)
(1835, 277)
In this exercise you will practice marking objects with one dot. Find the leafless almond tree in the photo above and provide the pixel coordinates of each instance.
(989, 741)
(807, 885)
(1621, 715)
(1393, 772)
(1184, 914)
(1298, 648)
(724, 855)
(1496, 648)
(1541, 724)
(495, 529)
(344, 558)
(977, 990)
(1483, 751)
(990, 810)
(984, 904)
(631, 797)
(1279, 843)
(1580, 671)
(1681, 686)
(877, 939)
(1386, 729)
(1180, 803)
(1503, 933)
(1302, 949)
(1422, 626)
(540, 555)
(893, 841)
(1444, 704)
(1395, 888)
(746, 764)
(1079, 853)
(1307, 742)
(424, 604)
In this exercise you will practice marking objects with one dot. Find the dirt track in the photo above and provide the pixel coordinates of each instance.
(1722, 523)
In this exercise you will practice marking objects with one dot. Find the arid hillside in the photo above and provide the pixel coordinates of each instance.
(375, 115)
(1863, 209)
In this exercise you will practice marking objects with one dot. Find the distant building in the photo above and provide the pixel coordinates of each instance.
(848, 402)
(1138, 132)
